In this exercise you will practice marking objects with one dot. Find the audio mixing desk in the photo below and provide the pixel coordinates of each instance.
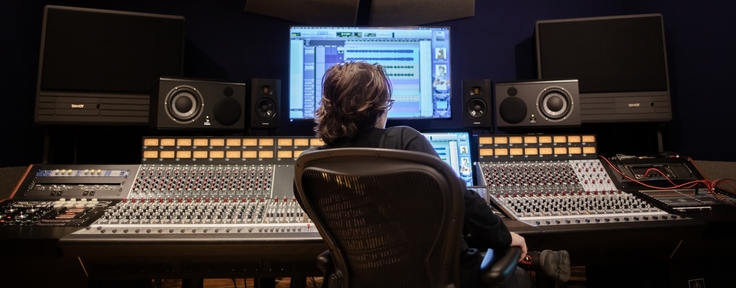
(558, 185)
(199, 207)
(209, 214)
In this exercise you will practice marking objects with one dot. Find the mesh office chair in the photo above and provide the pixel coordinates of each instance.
(390, 218)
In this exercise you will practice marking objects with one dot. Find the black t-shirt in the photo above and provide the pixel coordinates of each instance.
(484, 227)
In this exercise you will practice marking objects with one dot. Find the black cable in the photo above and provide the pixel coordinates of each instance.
(235, 285)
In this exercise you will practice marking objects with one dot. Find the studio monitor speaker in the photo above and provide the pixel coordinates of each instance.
(477, 105)
(537, 103)
(264, 96)
(190, 104)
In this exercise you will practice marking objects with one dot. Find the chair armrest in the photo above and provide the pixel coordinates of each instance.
(498, 266)
(324, 262)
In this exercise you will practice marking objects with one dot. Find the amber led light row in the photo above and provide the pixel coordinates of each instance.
(230, 142)
(226, 148)
(536, 145)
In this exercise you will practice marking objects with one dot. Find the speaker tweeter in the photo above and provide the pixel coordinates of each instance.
(537, 103)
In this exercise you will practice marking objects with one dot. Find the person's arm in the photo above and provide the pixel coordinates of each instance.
(485, 228)
(518, 240)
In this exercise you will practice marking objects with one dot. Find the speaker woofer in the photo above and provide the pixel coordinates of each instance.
(554, 103)
(477, 108)
(265, 108)
(228, 111)
(184, 104)
(512, 110)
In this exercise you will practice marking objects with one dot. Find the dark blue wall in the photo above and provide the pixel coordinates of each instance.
(702, 65)
(224, 42)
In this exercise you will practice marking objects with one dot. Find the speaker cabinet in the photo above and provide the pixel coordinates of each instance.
(537, 103)
(264, 97)
(96, 66)
(477, 105)
(189, 104)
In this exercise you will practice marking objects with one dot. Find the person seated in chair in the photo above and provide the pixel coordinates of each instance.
(356, 99)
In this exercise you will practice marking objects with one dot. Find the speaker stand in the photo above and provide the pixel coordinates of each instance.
(660, 140)
(46, 146)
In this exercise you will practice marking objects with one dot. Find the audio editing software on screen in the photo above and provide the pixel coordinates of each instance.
(416, 59)
(454, 149)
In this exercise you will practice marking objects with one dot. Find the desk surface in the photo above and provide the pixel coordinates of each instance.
(9, 178)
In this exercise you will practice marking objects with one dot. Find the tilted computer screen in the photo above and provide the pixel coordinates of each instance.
(416, 59)
(453, 147)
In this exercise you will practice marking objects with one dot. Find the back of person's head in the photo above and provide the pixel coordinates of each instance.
(354, 96)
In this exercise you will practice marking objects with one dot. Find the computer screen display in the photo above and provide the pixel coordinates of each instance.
(454, 148)
(416, 59)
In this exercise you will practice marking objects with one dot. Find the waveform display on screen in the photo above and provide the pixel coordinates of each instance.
(416, 60)
(453, 147)
(381, 59)
(380, 51)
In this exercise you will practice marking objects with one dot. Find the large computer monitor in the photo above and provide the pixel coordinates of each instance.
(416, 59)
(453, 147)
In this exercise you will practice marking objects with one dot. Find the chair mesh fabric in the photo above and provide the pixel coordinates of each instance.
(380, 223)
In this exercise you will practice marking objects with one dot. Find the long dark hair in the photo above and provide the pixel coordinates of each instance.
(354, 96)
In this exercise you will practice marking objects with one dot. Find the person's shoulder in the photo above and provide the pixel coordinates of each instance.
(404, 130)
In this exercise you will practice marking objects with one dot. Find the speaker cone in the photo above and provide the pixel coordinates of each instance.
(476, 108)
(512, 110)
(554, 103)
(184, 104)
(265, 108)
(227, 111)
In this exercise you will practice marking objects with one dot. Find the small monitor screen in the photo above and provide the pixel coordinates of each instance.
(416, 59)
(454, 149)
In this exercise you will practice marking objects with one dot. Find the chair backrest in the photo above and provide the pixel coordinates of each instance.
(390, 218)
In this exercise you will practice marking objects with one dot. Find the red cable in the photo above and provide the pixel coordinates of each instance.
(710, 186)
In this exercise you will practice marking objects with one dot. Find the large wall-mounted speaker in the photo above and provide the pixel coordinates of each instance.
(190, 104)
(537, 103)
(96, 66)
(264, 97)
(477, 105)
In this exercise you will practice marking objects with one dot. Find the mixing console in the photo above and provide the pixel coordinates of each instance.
(202, 205)
(231, 215)
(567, 189)
(206, 199)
